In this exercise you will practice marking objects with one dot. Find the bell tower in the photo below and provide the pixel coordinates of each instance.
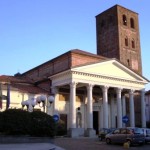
(117, 31)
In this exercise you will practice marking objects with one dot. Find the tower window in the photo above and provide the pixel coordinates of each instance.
(124, 19)
(133, 43)
(128, 62)
(102, 23)
(132, 23)
(126, 41)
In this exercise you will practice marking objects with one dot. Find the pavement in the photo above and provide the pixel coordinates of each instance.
(65, 143)
(30, 146)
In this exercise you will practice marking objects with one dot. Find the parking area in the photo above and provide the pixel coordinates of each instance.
(70, 144)
(91, 144)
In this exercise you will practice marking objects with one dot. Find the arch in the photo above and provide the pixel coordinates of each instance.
(132, 23)
(124, 20)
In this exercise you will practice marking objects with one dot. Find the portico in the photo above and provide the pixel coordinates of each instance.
(102, 90)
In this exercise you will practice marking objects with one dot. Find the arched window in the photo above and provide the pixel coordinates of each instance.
(124, 19)
(132, 23)
(133, 43)
(126, 41)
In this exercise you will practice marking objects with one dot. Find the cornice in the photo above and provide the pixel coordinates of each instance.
(107, 77)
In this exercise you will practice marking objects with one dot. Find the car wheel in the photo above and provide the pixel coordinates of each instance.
(108, 141)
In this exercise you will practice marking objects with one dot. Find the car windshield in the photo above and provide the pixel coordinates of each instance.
(137, 131)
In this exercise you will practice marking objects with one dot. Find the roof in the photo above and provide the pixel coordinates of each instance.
(13, 79)
(22, 84)
(28, 88)
(75, 51)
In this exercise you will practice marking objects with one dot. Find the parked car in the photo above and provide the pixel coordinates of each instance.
(128, 134)
(146, 134)
(103, 132)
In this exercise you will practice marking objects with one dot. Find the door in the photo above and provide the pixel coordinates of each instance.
(95, 121)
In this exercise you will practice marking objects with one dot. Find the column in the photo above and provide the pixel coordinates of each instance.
(55, 103)
(89, 107)
(143, 115)
(105, 106)
(131, 107)
(124, 107)
(112, 108)
(119, 108)
(72, 105)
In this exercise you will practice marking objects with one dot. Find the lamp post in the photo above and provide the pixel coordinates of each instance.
(30, 103)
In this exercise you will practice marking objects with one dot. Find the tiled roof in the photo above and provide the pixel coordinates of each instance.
(22, 84)
(13, 79)
(28, 88)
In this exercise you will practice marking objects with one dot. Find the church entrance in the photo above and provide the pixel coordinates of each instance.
(95, 121)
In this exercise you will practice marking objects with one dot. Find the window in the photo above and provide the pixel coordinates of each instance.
(102, 23)
(128, 62)
(126, 41)
(132, 23)
(124, 19)
(133, 43)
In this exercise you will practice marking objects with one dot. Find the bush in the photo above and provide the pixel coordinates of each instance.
(42, 124)
(20, 122)
(61, 128)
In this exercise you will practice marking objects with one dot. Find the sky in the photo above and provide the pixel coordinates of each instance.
(35, 31)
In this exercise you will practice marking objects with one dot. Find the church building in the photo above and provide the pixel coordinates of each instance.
(91, 91)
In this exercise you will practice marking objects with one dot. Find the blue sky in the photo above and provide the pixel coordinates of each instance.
(35, 31)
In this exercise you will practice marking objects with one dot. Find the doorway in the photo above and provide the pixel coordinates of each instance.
(95, 121)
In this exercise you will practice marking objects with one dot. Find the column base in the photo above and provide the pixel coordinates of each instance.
(90, 132)
(76, 132)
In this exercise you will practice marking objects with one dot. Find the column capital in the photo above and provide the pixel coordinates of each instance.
(118, 90)
(54, 89)
(89, 85)
(73, 84)
(104, 88)
(143, 90)
(131, 91)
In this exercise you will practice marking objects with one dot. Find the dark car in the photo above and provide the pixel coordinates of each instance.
(128, 134)
(146, 134)
(103, 132)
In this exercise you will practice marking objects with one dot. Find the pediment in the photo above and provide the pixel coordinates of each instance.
(111, 68)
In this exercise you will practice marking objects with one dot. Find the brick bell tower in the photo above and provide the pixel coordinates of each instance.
(118, 36)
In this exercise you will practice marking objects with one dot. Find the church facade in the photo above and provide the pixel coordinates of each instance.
(94, 91)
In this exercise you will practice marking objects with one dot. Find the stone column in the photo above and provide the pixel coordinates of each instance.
(112, 108)
(123, 108)
(123, 105)
(72, 105)
(131, 106)
(54, 110)
(73, 131)
(90, 132)
(105, 106)
(119, 108)
(89, 106)
(143, 115)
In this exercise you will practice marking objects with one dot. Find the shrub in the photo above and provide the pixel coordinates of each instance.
(61, 128)
(42, 124)
(20, 122)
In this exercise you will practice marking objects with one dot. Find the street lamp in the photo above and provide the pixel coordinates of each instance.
(30, 103)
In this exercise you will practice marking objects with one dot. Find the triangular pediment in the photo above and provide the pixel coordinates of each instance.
(111, 68)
